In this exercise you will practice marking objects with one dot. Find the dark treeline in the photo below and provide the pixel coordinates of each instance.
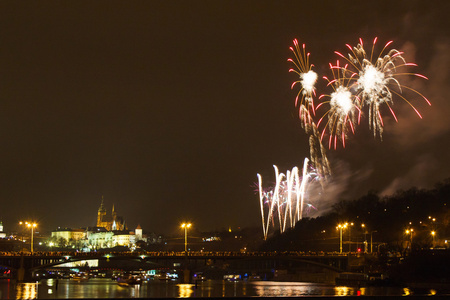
(385, 220)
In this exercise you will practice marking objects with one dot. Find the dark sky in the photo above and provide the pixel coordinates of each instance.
(169, 109)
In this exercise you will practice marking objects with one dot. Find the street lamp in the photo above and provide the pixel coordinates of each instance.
(410, 232)
(340, 227)
(433, 234)
(371, 244)
(31, 226)
(185, 226)
(349, 237)
(363, 226)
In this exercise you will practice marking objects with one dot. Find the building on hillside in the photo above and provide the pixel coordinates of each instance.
(99, 238)
(2, 234)
(66, 236)
(122, 238)
(110, 231)
(110, 222)
(69, 234)
(138, 233)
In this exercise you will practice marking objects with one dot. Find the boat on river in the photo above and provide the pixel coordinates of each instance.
(80, 277)
(128, 280)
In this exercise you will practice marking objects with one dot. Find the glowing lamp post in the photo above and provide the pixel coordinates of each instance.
(410, 232)
(185, 226)
(31, 226)
(363, 226)
(349, 237)
(340, 227)
(371, 240)
(433, 234)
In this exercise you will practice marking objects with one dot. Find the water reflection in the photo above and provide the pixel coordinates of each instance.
(406, 292)
(107, 288)
(185, 290)
(288, 289)
(27, 290)
(344, 291)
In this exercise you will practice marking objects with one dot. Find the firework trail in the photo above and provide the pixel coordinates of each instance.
(376, 79)
(284, 203)
(318, 154)
(307, 79)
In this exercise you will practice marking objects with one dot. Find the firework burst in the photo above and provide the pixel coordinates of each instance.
(364, 81)
(376, 79)
(307, 79)
(344, 107)
(284, 203)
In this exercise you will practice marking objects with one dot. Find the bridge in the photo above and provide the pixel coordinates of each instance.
(287, 265)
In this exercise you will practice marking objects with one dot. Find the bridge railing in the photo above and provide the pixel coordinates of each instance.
(174, 254)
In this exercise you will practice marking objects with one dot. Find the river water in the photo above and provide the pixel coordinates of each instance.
(107, 288)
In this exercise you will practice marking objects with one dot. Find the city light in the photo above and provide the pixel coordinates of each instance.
(30, 225)
(363, 227)
(341, 227)
(185, 226)
(410, 232)
(350, 237)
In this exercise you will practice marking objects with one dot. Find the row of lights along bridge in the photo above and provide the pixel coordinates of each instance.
(341, 227)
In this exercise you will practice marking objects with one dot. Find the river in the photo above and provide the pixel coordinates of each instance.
(107, 288)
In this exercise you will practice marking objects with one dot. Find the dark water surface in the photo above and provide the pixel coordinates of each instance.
(106, 288)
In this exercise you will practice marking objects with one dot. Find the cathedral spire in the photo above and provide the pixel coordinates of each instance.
(102, 206)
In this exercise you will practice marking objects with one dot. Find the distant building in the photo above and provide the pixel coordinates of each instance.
(2, 234)
(121, 238)
(98, 238)
(69, 234)
(110, 222)
(138, 233)
(110, 231)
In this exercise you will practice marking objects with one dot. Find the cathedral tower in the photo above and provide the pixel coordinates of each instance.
(101, 214)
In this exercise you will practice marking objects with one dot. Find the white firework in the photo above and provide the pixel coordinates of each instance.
(376, 80)
(284, 203)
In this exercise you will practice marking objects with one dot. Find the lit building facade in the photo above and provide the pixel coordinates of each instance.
(69, 234)
(98, 238)
(110, 222)
(121, 239)
(110, 232)
(2, 234)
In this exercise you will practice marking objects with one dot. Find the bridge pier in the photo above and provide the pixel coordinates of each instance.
(186, 275)
(23, 274)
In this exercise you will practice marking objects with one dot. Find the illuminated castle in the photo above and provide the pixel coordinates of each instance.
(109, 232)
(112, 222)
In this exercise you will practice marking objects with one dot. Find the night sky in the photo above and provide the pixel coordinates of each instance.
(169, 109)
